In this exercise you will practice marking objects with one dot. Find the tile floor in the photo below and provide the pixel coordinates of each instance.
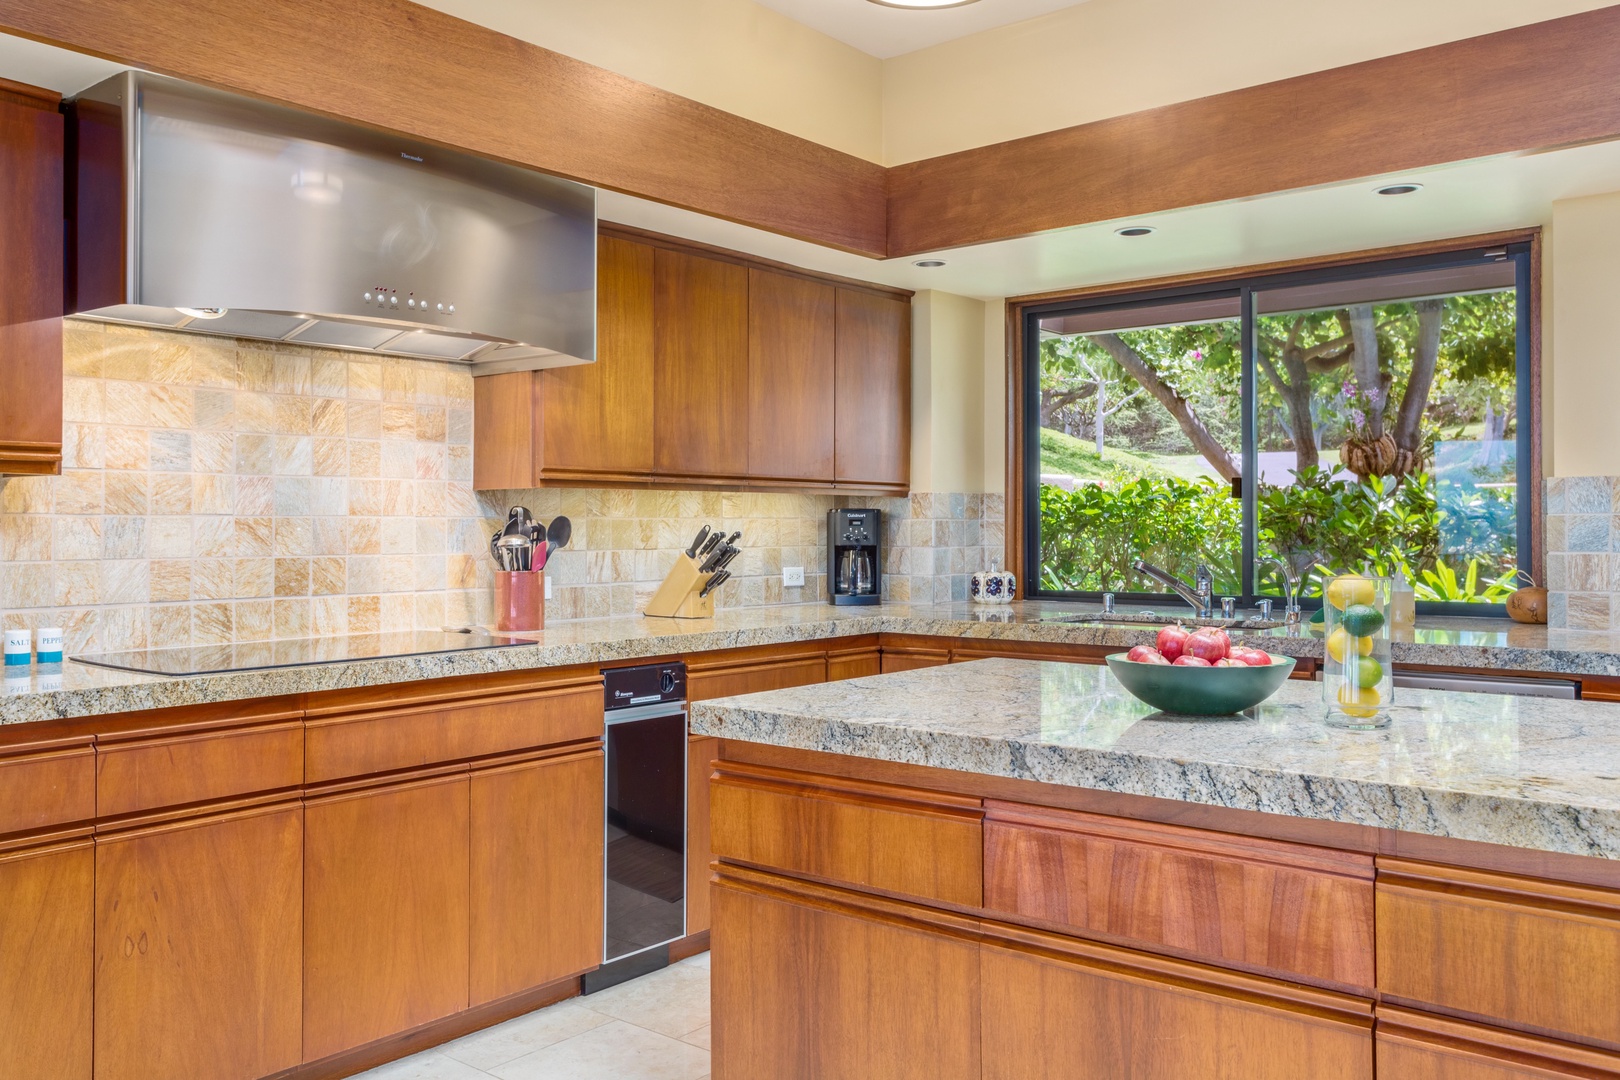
(652, 1028)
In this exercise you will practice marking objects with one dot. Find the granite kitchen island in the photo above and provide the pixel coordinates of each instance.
(938, 872)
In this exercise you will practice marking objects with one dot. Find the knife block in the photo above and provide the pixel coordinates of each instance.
(677, 597)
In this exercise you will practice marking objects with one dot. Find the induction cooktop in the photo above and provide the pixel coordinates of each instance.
(296, 652)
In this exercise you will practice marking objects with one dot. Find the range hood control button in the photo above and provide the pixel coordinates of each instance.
(368, 296)
(394, 300)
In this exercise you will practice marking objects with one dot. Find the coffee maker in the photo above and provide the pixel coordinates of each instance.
(854, 559)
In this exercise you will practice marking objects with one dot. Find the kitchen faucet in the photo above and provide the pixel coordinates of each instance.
(1199, 594)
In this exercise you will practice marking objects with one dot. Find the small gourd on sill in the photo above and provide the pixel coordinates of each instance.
(1528, 604)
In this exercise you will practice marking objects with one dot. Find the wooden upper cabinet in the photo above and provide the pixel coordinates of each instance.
(873, 387)
(700, 366)
(31, 302)
(790, 384)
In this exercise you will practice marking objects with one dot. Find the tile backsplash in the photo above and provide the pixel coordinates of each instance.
(1583, 552)
(216, 490)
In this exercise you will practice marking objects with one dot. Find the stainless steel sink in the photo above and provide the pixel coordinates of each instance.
(1154, 618)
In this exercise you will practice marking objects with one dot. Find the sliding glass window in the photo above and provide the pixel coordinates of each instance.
(1367, 417)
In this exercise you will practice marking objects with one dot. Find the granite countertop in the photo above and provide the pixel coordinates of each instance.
(1526, 772)
(75, 690)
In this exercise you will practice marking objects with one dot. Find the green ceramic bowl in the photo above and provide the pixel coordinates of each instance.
(1199, 691)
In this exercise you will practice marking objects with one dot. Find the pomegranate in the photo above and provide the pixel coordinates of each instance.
(1186, 660)
(1205, 645)
(1146, 654)
(1171, 641)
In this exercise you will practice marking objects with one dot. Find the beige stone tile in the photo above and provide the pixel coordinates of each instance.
(84, 400)
(255, 496)
(83, 446)
(127, 493)
(398, 612)
(428, 572)
(290, 374)
(170, 625)
(365, 458)
(328, 496)
(213, 579)
(396, 498)
(399, 379)
(253, 454)
(430, 423)
(169, 537)
(291, 577)
(293, 496)
(212, 624)
(461, 571)
(78, 584)
(170, 361)
(171, 494)
(365, 614)
(365, 380)
(26, 494)
(398, 421)
(27, 585)
(524, 1035)
(213, 493)
(121, 628)
(364, 536)
(329, 616)
(327, 576)
(255, 370)
(616, 1050)
(429, 611)
(1588, 611)
(329, 416)
(294, 415)
(364, 574)
(459, 426)
(254, 536)
(213, 537)
(330, 536)
(170, 580)
(255, 412)
(82, 346)
(213, 363)
(125, 447)
(329, 376)
(398, 535)
(253, 578)
(398, 459)
(253, 620)
(127, 358)
(292, 455)
(213, 451)
(25, 537)
(329, 457)
(125, 581)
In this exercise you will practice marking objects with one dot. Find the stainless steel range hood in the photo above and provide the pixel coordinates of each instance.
(196, 210)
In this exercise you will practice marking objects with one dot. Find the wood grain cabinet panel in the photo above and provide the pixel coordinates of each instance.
(1050, 1016)
(1286, 909)
(47, 904)
(815, 991)
(701, 752)
(907, 658)
(386, 896)
(790, 377)
(198, 932)
(386, 740)
(46, 786)
(536, 899)
(876, 836)
(31, 136)
(856, 663)
(1414, 1046)
(731, 678)
(700, 366)
(147, 773)
(1511, 950)
(873, 383)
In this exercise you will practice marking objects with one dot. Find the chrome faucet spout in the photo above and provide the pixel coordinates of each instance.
(1200, 594)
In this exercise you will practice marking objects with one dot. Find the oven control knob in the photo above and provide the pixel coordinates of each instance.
(666, 682)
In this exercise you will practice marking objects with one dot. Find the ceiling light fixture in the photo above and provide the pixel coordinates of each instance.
(1400, 189)
(922, 5)
(926, 264)
(1136, 230)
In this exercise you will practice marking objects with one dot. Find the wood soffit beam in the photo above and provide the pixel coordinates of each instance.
(398, 66)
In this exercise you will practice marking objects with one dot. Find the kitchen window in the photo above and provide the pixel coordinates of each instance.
(1376, 415)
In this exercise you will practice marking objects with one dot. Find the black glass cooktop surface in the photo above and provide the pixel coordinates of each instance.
(296, 652)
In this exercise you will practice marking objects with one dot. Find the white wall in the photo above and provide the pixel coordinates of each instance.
(1584, 357)
(1111, 57)
(958, 394)
(735, 55)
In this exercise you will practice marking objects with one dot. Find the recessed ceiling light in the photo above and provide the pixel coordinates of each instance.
(1136, 230)
(1400, 189)
(922, 5)
(926, 264)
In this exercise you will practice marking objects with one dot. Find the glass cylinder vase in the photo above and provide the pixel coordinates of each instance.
(1357, 679)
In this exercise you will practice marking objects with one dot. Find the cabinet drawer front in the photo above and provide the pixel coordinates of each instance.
(1048, 1018)
(385, 741)
(875, 836)
(149, 773)
(1516, 951)
(45, 789)
(755, 678)
(1284, 909)
(1417, 1046)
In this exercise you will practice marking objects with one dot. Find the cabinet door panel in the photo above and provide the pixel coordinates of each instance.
(198, 927)
(598, 418)
(1513, 950)
(700, 368)
(537, 874)
(790, 377)
(813, 993)
(873, 385)
(1049, 1019)
(46, 953)
(1413, 1045)
(386, 884)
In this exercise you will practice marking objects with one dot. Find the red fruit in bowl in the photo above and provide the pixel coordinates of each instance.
(1146, 654)
(1187, 660)
(1171, 641)
(1227, 661)
(1252, 657)
(1206, 646)
(1219, 635)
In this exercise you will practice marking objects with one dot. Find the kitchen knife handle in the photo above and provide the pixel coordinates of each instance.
(697, 542)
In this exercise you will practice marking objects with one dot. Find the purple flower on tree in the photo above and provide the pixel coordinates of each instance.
(1359, 417)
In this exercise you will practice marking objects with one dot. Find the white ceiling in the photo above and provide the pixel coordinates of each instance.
(56, 69)
(885, 31)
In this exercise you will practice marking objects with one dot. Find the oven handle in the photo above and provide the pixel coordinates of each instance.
(645, 712)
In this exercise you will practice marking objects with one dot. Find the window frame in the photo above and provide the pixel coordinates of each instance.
(1523, 248)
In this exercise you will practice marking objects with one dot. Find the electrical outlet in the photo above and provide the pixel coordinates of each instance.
(792, 576)
(548, 586)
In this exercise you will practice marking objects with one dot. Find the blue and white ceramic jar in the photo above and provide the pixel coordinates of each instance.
(992, 586)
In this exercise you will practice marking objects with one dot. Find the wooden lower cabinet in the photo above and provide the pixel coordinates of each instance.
(198, 930)
(46, 955)
(1418, 1046)
(1048, 1016)
(386, 910)
(815, 990)
(905, 658)
(536, 902)
(701, 750)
